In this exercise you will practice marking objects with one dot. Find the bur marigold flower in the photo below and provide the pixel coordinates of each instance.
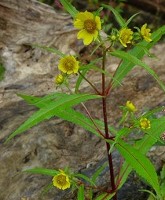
(145, 32)
(89, 26)
(61, 180)
(59, 79)
(125, 36)
(130, 106)
(145, 123)
(68, 65)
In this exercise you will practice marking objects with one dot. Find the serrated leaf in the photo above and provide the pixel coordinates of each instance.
(138, 52)
(69, 7)
(131, 58)
(139, 163)
(77, 117)
(118, 17)
(54, 107)
(43, 171)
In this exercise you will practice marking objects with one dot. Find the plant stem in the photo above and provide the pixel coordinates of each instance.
(104, 96)
(89, 83)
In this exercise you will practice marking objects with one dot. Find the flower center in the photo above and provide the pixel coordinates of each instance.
(69, 65)
(90, 25)
(61, 180)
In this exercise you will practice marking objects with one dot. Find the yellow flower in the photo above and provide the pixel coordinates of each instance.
(145, 32)
(69, 65)
(130, 106)
(145, 123)
(125, 36)
(61, 180)
(89, 26)
(59, 79)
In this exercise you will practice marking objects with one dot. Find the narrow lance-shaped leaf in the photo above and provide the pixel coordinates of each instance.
(86, 178)
(69, 7)
(105, 196)
(50, 49)
(157, 128)
(77, 117)
(131, 58)
(139, 163)
(81, 193)
(118, 17)
(131, 18)
(98, 172)
(41, 102)
(44, 171)
(51, 110)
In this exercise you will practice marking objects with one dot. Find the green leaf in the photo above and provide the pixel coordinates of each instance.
(69, 7)
(139, 163)
(86, 178)
(81, 194)
(131, 18)
(53, 108)
(50, 49)
(143, 145)
(77, 117)
(98, 172)
(138, 52)
(105, 196)
(131, 58)
(44, 171)
(118, 17)
(41, 102)
(153, 111)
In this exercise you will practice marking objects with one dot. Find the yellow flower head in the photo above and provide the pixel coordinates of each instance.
(130, 106)
(61, 180)
(145, 123)
(125, 36)
(69, 65)
(145, 32)
(89, 26)
(59, 79)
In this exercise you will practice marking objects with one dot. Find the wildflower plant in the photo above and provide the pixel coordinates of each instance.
(134, 44)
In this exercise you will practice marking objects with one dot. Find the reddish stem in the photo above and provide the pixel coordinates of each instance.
(104, 95)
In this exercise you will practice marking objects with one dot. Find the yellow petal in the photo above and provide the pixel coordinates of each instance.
(81, 34)
(98, 22)
(95, 35)
(88, 15)
(78, 24)
(88, 39)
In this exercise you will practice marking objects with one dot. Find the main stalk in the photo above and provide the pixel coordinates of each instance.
(104, 107)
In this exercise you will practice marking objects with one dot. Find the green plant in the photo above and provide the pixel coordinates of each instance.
(134, 44)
